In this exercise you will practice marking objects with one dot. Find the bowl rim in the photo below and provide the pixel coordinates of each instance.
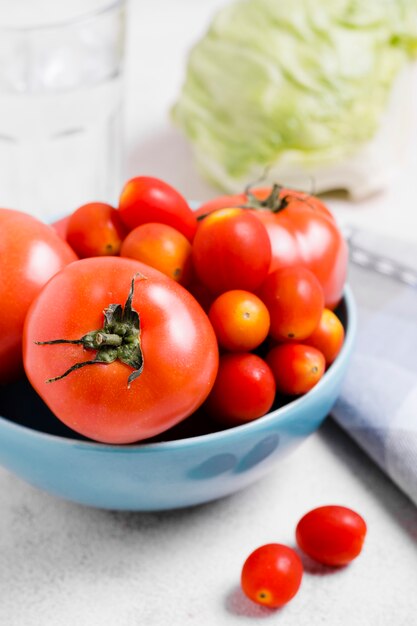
(227, 433)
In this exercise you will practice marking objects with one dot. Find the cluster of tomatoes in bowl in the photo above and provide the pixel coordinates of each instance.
(132, 318)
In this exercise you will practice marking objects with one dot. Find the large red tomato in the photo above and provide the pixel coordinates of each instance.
(152, 362)
(302, 232)
(30, 253)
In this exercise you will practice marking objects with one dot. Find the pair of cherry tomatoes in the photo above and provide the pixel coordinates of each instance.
(332, 535)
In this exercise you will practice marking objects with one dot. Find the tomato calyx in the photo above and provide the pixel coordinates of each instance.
(119, 339)
(274, 202)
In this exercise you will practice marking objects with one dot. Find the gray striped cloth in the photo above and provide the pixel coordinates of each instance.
(378, 403)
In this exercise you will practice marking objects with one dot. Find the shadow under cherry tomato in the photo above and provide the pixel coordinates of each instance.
(315, 568)
(238, 604)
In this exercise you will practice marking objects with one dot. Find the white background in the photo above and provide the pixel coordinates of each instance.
(63, 564)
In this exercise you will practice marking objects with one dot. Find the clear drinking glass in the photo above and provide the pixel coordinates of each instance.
(61, 107)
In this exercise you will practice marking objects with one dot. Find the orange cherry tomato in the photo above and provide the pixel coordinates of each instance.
(240, 320)
(328, 337)
(95, 229)
(296, 367)
(161, 247)
(231, 250)
(295, 302)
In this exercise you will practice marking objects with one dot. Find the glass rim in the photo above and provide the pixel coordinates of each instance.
(108, 7)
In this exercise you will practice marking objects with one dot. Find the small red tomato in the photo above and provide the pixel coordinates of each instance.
(295, 301)
(271, 575)
(161, 247)
(231, 250)
(244, 389)
(296, 367)
(332, 535)
(328, 337)
(240, 320)
(95, 229)
(147, 199)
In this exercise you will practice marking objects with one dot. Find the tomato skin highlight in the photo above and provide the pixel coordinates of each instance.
(271, 575)
(31, 253)
(303, 233)
(95, 229)
(231, 250)
(178, 343)
(297, 368)
(161, 247)
(244, 389)
(295, 301)
(147, 199)
(332, 535)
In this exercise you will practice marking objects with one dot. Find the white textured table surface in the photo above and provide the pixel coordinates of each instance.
(63, 564)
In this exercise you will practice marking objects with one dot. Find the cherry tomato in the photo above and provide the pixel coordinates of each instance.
(302, 231)
(328, 337)
(30, 252)
(244, 389)
(152, 362)
(296, 367)
(231, 250)
(272, 575)
(146, 199)
(295, 302)
(240, 320)
(161, 247)
(95, 229)
(332, 535)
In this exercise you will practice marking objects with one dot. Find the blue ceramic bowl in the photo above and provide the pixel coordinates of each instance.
(171, 472)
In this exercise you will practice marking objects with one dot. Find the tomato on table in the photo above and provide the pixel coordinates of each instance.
(148, 199)
(302, 231)
(271, 575)
(332, 534)
(297, 368)
(95, 229)
(131, 372)
(30, 252)
(295, 301)
(161, 247)
(244, 389)
(231, 250)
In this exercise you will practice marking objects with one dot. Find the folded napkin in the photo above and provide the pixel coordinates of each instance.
(378, 403)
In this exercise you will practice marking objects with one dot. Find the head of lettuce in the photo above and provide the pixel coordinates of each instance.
(301, 89)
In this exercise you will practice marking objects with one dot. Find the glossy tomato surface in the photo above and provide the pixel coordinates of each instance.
(244, 389)
(30, 253)
(331, 534)
(179, 348)
(231, 250)
(272, 575)
(147, 199)
(302, 231)
(295, 302)
(95, 229)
